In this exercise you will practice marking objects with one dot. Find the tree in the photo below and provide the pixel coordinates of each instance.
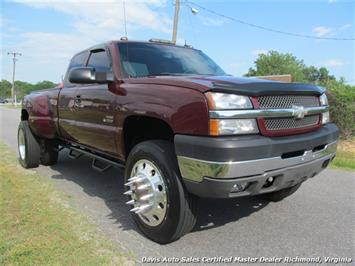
(275, 63)
(340, 95)
(45, 84)
(324, 77)
(5, 89)
(311, 74)
(341, 99)
(22, 88)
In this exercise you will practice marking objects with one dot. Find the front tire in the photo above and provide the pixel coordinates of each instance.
(28, 147)
(161, 207)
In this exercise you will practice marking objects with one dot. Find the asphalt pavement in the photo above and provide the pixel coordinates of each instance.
(317, 221)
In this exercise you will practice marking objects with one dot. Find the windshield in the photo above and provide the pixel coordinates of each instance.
(149, 59)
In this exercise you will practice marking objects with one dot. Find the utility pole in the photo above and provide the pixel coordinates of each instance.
(176, 20)
(13, 93)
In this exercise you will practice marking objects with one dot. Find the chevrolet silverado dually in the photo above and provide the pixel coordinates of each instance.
(180, 127)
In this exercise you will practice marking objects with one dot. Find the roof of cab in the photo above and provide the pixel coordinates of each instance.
(151, 41)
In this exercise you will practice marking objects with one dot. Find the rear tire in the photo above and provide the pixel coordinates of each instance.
(28, 147)
(49, 152)
(180, 214)
(281, 194)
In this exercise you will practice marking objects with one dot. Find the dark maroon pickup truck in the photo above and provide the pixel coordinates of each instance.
(180, 127)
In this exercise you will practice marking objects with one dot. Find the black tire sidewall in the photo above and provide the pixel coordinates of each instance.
(32, 149)
(23, 162)
(161, 155)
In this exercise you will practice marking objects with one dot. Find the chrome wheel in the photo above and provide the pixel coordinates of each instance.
(147, 192)
(21, 144)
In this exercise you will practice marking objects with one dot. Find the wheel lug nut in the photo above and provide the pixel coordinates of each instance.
(130, 202)
(128, 192)
(142, 187)
(146, 197)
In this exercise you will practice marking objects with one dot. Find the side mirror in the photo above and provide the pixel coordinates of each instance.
(87, 75)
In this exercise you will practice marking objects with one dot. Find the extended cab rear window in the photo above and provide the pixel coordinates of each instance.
(150, 59)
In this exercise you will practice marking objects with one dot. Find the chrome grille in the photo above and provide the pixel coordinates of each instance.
(291, 123)
(286, 101)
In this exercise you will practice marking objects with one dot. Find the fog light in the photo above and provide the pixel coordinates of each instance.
(269, 181)
(239, 187)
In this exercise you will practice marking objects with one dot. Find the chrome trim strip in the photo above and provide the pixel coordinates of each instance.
(257, 113)
(195, 169)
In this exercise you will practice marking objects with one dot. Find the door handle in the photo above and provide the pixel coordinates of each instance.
(77, 101)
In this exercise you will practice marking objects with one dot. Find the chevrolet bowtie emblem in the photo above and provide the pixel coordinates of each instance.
(299, 112)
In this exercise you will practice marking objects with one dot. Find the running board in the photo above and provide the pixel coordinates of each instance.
(59, 148)
(97, 161)
(100, 168)
(73, 154)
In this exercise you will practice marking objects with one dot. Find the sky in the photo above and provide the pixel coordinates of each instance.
(48, 33)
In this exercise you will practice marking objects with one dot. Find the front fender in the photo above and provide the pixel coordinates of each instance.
(184, 110)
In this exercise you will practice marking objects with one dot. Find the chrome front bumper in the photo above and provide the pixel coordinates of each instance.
(235, 166)
(195, 170)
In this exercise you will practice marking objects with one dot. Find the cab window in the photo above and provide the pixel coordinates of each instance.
(100, 61)
(78, 60)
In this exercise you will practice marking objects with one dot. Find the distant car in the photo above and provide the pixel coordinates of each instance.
(3, 101)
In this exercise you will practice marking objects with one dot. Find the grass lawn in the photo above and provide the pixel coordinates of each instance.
(345, 158)
(38, 227)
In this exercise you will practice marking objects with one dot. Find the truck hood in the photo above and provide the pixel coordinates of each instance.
(230, 84)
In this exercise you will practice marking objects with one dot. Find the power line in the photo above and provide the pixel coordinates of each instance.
(266, 28)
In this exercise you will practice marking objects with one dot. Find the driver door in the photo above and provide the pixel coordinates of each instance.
(95, 115)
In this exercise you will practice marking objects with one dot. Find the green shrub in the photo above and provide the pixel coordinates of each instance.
(341, 99)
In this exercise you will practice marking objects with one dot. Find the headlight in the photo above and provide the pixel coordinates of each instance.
(323, 99)
(233, 126)
(325, 118)
(324, 102)
(218, 101)
(223, 101)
